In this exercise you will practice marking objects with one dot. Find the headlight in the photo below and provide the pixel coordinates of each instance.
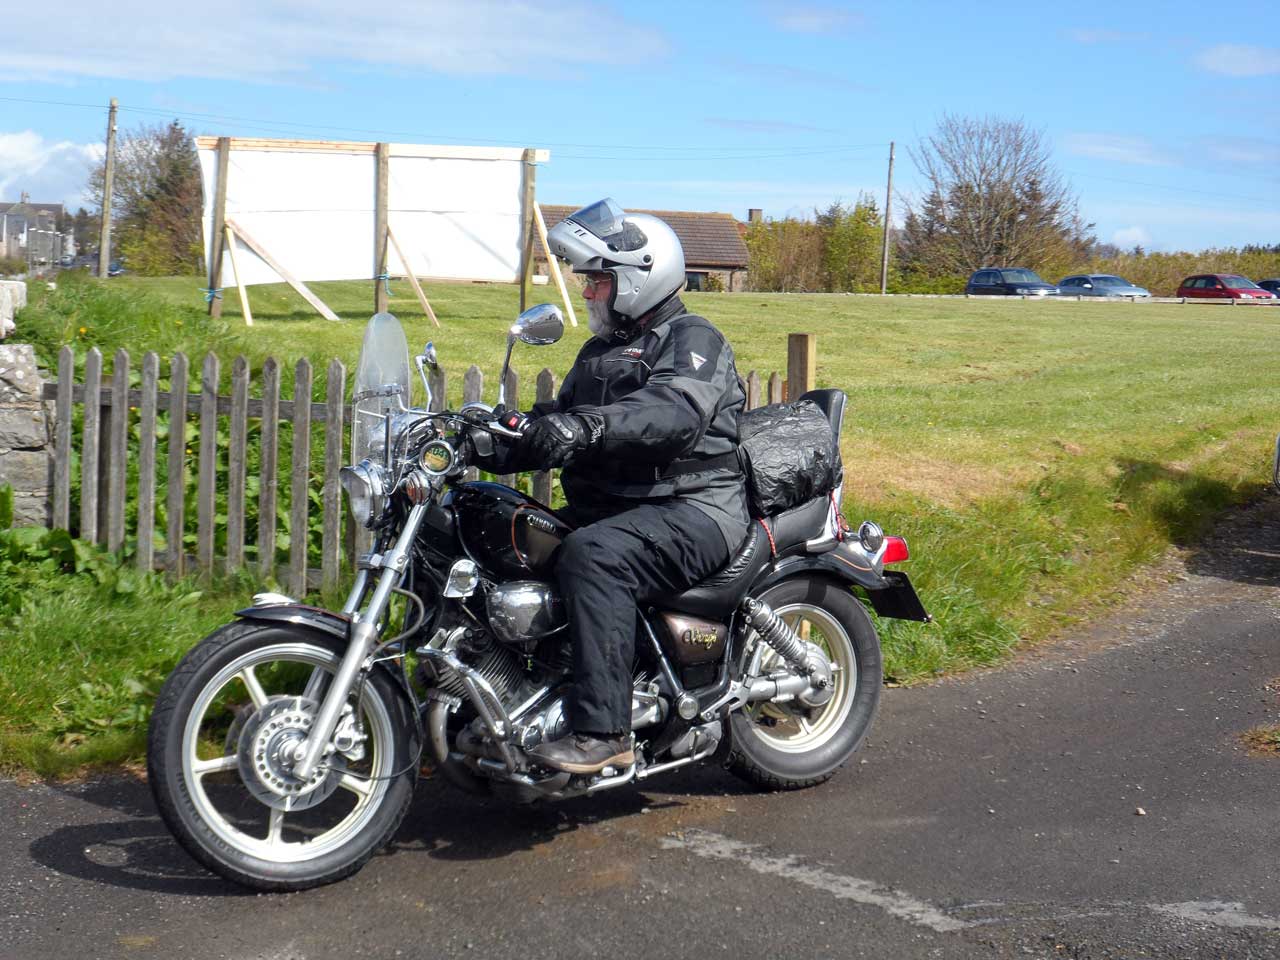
(366, 488)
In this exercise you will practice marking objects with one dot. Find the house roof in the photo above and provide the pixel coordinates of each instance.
(24, 208)
(709, 239)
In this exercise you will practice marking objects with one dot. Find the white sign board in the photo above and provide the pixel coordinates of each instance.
(455, 211)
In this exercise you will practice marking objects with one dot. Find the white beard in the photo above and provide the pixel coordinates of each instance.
(598, 321)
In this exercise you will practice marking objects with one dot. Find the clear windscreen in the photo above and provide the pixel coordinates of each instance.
(606, 221)
(381, 387)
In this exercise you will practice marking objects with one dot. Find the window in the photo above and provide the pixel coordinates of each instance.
(694, 281)
(1072, 282)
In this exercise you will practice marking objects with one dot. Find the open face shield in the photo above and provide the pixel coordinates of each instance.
(596, 237)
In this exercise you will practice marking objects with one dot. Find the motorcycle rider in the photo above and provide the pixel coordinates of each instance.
(645, 428)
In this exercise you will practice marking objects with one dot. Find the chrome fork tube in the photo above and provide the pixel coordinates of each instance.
(362, 635)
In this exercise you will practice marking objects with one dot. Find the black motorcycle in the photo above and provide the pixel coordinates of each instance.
(285, 747)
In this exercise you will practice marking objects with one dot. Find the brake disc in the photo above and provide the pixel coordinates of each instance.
(265, 756)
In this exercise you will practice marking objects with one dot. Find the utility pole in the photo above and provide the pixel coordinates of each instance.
(884, 251)
(104, 240)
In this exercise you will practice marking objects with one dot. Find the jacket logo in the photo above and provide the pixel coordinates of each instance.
(698, 360)
(633, 352)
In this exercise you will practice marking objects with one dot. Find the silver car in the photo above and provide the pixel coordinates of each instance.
(1100, 285)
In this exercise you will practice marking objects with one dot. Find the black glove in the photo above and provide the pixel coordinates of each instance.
(558, 438)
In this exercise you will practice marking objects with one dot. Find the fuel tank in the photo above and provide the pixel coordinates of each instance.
(511, 536)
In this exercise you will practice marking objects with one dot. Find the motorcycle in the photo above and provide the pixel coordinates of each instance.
(285, 747)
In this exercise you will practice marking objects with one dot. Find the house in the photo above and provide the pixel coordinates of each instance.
(29, 231)
(714, 255)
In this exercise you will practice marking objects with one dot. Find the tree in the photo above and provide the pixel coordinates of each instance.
(851, 246)
(993, 198)
(156, 200)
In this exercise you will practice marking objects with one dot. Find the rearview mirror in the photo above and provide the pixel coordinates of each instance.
(539, 325)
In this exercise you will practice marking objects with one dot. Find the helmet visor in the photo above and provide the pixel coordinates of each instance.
(606, 221)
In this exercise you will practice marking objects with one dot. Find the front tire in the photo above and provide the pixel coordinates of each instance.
(783, 746)
(231, 709)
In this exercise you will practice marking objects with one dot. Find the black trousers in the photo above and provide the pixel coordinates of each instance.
(607, 571)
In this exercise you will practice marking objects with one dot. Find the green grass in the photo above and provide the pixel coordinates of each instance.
(1035, 455)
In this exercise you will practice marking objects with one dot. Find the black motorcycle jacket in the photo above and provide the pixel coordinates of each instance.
(669, 399)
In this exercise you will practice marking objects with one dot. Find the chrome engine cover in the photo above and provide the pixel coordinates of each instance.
(522, 612)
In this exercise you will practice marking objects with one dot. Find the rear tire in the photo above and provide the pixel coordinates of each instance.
(781, 747)
(257, 685)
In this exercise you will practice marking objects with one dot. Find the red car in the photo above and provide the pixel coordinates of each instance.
(1223, 286)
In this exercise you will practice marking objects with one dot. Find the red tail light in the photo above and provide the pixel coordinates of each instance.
(895, 550)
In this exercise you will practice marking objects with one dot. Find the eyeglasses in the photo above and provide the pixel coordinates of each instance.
(594, 281)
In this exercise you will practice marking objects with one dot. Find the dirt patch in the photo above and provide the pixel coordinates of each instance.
(943, 482)
(1262, 741)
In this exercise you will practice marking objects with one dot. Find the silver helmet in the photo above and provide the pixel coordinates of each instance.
(643, 254)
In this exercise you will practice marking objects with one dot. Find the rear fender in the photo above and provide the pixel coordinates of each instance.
(890, 593)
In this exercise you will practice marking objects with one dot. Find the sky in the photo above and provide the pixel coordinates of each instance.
(1164, 118)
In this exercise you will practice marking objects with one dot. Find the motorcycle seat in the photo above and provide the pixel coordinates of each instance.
(716, 596)
(831, 402)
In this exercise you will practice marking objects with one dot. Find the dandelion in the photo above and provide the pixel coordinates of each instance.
(83, 331)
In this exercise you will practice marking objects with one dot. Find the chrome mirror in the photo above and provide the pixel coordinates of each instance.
(424, 361)
(540, 325)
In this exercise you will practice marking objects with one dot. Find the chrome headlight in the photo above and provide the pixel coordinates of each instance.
(366, 487)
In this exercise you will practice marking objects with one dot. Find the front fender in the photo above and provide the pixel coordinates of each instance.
(326, 621)
(890, 593)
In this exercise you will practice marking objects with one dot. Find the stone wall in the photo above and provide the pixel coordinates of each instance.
(26, 435)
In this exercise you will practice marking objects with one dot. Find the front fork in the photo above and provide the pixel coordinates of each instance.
(362, 635)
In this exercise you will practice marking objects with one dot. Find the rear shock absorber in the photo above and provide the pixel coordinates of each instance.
(774, 631)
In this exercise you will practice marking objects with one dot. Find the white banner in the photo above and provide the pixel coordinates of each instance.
(455, 211)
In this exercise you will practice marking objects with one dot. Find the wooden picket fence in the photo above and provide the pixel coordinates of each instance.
(123, 424)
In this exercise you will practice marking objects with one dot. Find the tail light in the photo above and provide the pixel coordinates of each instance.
(895, 550)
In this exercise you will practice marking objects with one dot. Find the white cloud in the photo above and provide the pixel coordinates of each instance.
(1244, 150)
(813, 18)
(1130, 237)
(1239, 60)
(1107, 146)
(303, 41)
(49, 171)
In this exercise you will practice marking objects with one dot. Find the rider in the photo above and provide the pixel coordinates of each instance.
(645, 427)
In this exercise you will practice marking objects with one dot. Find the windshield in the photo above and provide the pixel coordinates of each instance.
(606, 221)
(1020, 276)
(1239, 283)
(381, 388)
(1105, 281)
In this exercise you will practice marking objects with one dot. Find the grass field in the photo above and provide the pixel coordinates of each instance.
(1035, 455)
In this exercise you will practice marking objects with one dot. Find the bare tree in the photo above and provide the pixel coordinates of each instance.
(994, 198)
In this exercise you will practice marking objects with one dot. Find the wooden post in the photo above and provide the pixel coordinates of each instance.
(219, 219)
(546, 393)
(553, 265)
(89, 446)
(884, 250)
(439, 389)
(175, 498)
(753, 390)
(147, 462)
(118, 474)
(335, 390)
(413, 281)
(775, 387)
(235, 272)
(526, 223)
(270, 459)
(513, 403)
(62, 440)
(108, 184)
(802, 364)
(382, 154)
(472, 389)
(239, 429)
(285, 275)
(299, 532)
(206, 490)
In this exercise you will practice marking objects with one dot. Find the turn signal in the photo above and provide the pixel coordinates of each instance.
(895, 550)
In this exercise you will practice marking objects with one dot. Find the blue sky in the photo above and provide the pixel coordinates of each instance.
(1164, 117)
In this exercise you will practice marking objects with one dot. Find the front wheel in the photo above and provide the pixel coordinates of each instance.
(219, 755)
(784, 746)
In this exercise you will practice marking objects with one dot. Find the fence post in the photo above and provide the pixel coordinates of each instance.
(89, 446)
(802, 364)
(513, 403)
(439, 381)
(299, 534)
(175, 496)
(118, 440)
(330, 543)
(147, 462)
(775, 387)
(62, 440)
(206, 491)
(270, 440)
(546, 393)
(236, 462)
(753, 390)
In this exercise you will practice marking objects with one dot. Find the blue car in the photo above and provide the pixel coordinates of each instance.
(1100, 285)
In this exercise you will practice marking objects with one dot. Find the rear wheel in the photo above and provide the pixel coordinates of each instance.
(219, 759)
(784, 746)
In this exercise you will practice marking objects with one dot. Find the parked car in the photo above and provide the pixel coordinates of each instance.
(114, 268)
(1273, 285)
(67, 260)
(1222, 286)
(1008, 282)
(1100, 285)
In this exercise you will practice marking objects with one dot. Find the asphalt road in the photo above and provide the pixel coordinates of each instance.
(996, 815)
